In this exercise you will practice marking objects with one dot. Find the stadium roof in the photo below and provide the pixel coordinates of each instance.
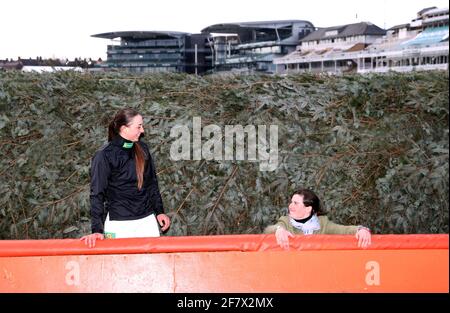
(362, 28)
(429, 36)
(236, 27)
(140, 35)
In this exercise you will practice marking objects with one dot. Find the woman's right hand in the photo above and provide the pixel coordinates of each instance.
(89, 240)
(282, 236)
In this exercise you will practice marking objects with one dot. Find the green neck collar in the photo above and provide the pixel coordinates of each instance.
(127, 145)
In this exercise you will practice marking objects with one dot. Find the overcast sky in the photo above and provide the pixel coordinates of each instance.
(63, 29)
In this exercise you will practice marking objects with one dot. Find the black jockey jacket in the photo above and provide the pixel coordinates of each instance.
(114, 185)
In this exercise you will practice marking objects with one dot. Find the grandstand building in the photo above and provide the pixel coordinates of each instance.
(421, 45)
(253, 46)
(150, 51)
(330, 49)
(364, 47)
(286, 46)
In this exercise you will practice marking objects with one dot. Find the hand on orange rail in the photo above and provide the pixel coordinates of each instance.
(282, 236)
(89, 240)
(364, 237)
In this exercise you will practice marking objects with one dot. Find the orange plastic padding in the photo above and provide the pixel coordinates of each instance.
(247, 243)
(296, 271)
(236, 263)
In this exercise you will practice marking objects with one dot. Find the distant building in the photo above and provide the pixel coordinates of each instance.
(364, 47)
(419, 45)
(326, 49)
(286, 46)
(44, 65)
(253, 46)
(10, 65)
(156, 51)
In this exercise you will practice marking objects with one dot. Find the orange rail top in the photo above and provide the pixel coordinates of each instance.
(228, 263)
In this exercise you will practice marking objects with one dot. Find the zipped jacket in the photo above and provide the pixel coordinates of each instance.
(114, 187)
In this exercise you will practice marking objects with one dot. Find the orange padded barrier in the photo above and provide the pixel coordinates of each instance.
(229, 263)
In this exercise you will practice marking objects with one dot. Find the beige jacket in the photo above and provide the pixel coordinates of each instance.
(326, 227)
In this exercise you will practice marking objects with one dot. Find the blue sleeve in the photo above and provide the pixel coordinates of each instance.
(100, 172)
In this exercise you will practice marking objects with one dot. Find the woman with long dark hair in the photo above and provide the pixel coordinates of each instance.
(125, 197)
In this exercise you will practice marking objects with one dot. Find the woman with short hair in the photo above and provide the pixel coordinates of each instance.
(307, 218)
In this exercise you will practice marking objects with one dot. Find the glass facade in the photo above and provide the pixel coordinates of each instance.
(158, 52)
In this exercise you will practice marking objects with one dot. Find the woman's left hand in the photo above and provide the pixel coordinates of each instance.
(364, 238)
(164, 221)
